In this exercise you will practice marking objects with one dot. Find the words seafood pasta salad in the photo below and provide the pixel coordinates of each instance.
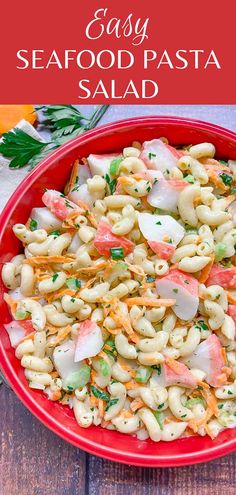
(123, 300)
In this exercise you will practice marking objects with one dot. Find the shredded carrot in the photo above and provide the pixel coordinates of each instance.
(30, 336)
(104, 423)
(231, 298)
(58, 294)
(101, 407)
(73, 176)
(54, 374)
(89, 214)
(124, 181)
(131, 385)
(126, 414)
(91, 269)
(136, 269)
(174, 365)
(136, 404)
(203, 385)
(51, 330)
(104, 356)
(40, 260)
(206, 270)
(124, 322)
(12, 303)
(62, 334)
(146, 301)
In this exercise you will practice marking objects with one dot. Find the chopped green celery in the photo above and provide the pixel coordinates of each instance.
(73, 283)
(77, 379)
(159, 417)
(220, 250)
(142, 375)
(104, 367)
(21, 314)
(114, 166)
(190, 179)
(194, 402)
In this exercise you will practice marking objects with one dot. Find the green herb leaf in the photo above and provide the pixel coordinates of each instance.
(33, 224)
(159, 417)
(112, 347)
(157, 367)
(117, 253)
(73, 283)
(202, 325)
(54, 277)
(151, 155)
(111, 402)
(111, 183)
(226, 179)
(114, 166)
(176, 291)
(190, 179)
(19, 146)
(56, 233)
(99, 394)
(158, 223)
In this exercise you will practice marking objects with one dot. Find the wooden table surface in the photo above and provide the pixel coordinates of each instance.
(33, 461)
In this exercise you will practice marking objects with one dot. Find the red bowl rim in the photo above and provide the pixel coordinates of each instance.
(113, 454)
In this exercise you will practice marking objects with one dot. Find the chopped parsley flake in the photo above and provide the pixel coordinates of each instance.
(54, 277)
(33, 224)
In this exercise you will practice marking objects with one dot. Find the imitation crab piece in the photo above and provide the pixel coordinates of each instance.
(163, 250)
(232, 313)
(45, 219)
(18, 330)
(159, 156)
(63, 358)
(78, 189)
(184, 288)
(89, 341)
(209, 357)
(59, 204)
(100, 164)
(180, 375)
(174, 373)
(82, 194)
(105, 240)
(165, 194)
(220, 275)
(162, 232)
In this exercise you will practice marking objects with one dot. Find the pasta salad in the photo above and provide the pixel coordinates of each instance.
(123, 299)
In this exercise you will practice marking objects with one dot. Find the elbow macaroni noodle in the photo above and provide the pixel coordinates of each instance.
(78, 290)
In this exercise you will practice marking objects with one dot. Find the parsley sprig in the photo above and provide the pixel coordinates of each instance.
(64, 121)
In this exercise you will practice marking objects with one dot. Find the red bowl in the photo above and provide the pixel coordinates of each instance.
(53, 172)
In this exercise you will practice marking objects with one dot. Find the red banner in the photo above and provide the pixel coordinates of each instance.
(118, 51)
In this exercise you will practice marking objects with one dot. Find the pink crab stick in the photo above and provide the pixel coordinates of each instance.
(165, 194)
(184, 288)
(89, 341)
(18, 330)
(220, 275)
(209, 357)
(100, 164)
(181, 376)
(176, 375)
(105, 240)
(159, 156)
(59, 204)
